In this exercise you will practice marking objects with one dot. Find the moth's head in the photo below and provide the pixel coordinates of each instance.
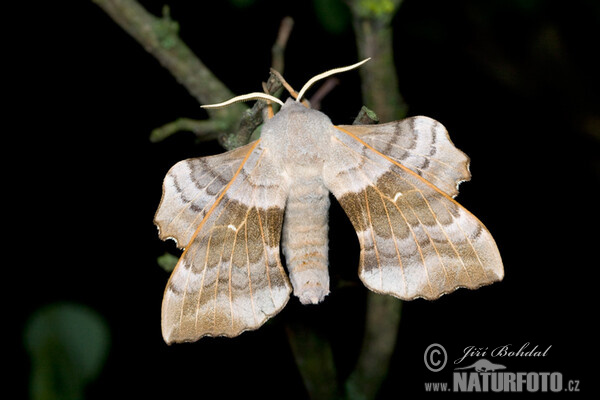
(297, 96)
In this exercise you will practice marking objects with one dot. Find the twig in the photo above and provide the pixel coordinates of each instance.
(324, 90)
(204, 129)
(278, 49)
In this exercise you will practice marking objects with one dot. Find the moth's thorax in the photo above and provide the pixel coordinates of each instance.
(298, 135)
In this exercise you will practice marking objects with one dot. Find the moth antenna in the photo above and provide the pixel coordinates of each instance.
(326, 74)
(245, 97)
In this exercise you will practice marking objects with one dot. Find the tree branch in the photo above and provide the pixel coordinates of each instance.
(373, 31)
(381, 331)
(232, 125)
(203, 129)
(371, 20)
(251, 119)
(159, 36)
(314, 358)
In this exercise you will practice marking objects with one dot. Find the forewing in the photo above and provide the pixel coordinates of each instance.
(416, 241)
(230, 278)
(190, 188)
(421, 144)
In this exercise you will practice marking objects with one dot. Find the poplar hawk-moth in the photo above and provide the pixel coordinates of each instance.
(231, 212)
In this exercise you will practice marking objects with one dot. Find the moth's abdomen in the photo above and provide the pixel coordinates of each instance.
(304, 240)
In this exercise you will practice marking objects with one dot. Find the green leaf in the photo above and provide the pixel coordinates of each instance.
(68, 344)
(167, 262)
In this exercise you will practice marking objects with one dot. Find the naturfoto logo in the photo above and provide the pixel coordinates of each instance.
(484, 375)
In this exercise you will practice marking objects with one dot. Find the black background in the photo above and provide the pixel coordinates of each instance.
(90, 96)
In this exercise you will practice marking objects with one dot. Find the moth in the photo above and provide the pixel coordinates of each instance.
(231, 212)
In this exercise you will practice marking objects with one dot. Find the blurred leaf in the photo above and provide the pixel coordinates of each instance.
(334, 15)
(242, 3)
(528, 5)
(68, 344)
(167, 261)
